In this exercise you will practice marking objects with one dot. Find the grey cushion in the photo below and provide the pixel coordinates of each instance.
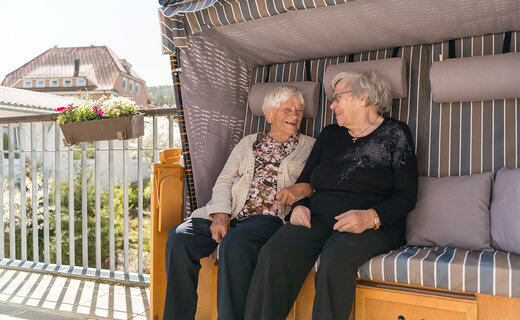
(310, 91)
(476, 79)
(451, 212)
(505, 211)
(393, 70)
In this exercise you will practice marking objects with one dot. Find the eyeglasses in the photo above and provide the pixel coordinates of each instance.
(335, 98)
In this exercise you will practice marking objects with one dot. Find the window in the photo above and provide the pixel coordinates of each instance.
(27, 84)
(131, 85)
(54, 83)
(124, 84)
(137, 88)
(80, 82)
(67, 83)
(40, 83)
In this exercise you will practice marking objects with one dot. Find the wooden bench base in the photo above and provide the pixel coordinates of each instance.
(380, 300)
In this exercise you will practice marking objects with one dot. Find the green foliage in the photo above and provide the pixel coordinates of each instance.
(91, 223)
(162, 95)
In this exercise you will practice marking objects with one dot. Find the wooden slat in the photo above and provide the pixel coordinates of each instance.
(57, 191)
(12, 226)
(23, 194)
(46, 235)
(72, 260)
(84, 212)
(140, 253)
(97, 203)
(126, 240)
(111, 240)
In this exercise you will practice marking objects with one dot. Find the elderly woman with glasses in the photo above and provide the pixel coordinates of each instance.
(242, 213)
(364, 173)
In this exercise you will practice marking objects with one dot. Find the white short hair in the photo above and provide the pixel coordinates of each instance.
(377, 89)
(276, 96)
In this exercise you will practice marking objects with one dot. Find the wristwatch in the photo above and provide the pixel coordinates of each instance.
(377, 221)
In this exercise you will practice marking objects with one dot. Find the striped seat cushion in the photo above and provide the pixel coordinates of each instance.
(490, 272)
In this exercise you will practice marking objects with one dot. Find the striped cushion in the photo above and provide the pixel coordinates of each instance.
(490, 272)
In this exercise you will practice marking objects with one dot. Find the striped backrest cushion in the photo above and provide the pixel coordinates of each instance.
(393, 70)
(476, 79)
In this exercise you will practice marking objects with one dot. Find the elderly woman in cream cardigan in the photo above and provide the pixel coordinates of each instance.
(246, 208)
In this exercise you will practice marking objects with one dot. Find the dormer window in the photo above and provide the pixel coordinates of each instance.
(67, 83)
(54, 83)
(40, 83)
(27, 84)
(124, 84)
(80, 82)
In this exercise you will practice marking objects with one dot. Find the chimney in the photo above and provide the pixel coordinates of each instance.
(126, 65)
(76, 67)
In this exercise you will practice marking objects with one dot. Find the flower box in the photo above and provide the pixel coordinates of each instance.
(121, 128)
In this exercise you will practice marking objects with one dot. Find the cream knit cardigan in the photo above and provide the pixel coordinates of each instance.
(234, 182)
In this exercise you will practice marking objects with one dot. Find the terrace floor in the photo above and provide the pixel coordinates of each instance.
(33, 295)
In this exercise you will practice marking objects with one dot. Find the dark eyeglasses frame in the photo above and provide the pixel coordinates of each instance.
(335, 98)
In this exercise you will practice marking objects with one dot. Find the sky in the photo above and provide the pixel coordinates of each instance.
(130, 28)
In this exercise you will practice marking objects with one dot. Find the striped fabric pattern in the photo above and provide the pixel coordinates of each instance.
(489, 272)
(451, 138)
(194, 17)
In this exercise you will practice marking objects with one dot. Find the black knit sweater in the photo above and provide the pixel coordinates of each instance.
(378, 171)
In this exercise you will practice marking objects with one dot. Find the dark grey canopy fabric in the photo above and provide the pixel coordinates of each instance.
(215, 83)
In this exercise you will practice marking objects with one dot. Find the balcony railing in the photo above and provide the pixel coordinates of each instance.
(82, 209)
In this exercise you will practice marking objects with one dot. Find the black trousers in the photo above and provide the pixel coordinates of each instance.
(238, 254)
(290, 254)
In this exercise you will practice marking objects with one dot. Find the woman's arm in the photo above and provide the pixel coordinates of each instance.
(221, 194)
(313, 160)
(404, 195)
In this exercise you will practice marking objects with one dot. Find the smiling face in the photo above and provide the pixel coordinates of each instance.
(347, 107)
(285, 120)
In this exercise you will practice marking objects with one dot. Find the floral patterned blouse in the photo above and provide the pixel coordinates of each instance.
(269, 153)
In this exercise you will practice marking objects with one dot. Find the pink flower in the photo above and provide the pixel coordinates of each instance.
(60, 109)
(100, 112)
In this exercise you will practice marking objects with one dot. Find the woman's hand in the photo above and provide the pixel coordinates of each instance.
(301, 216)
(354, 221)
(289, 195)
(220, 226)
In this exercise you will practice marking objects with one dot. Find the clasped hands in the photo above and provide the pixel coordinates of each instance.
(353, 221)
(287, 197)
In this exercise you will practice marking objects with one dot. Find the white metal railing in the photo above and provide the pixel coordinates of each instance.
(36, 167)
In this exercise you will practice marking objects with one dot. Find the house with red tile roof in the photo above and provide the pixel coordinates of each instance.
(74, 71)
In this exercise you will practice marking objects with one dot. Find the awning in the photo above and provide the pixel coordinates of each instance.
(273, 31)
(179, 20)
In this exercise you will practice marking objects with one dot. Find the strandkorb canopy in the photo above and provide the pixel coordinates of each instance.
(223, 47)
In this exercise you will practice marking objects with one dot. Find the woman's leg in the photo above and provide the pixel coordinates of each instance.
(238, 255)
(342, 255)
(187, 244)
(285, 261)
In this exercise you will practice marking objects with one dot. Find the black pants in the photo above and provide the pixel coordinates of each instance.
(238, 255)
(289, 255)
